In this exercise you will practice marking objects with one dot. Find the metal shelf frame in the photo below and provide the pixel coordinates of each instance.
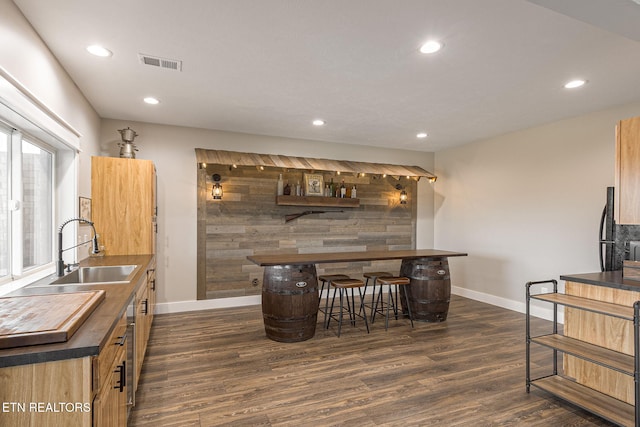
(556, 384)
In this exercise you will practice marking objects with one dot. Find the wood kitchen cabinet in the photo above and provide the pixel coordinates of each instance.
(110, 403)
(86, 391)
(145, 304)
(142, 329)
(627, 177)
(124, 205)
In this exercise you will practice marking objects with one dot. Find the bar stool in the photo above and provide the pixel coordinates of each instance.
(394, 282)
(343, 286)
(327, 278)
(373, 275)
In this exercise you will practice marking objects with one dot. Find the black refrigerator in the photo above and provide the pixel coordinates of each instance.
(617, 242)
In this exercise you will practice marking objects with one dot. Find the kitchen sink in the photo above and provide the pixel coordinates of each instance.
(100, 274)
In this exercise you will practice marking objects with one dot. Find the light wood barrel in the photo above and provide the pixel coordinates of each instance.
(290, 302)
(430, 288)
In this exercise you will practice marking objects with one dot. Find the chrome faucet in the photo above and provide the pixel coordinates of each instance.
(60, 263)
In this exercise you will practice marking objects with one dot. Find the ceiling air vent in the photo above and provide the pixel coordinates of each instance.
(156, 61)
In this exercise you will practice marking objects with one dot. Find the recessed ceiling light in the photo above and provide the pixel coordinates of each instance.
(98, 50)
(574, 84)
(421, 135)
(151, 100)
(432, 46)
(318, 122)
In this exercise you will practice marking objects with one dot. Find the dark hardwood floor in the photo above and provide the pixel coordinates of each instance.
(217, 368)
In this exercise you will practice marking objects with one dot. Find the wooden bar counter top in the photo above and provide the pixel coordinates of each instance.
(319, 258)
(290, 295)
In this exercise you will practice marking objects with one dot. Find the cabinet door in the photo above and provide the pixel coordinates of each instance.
(142, 329)
(151, 284)
(627, 197)
(110, 404)
(123, 204)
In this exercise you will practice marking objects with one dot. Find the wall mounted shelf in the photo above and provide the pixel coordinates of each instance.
(317, 201)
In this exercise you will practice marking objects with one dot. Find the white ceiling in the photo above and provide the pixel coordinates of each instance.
(271, 66)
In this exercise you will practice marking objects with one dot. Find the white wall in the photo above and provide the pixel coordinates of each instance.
(47, 96)
(172, 149)
(525, 206)
(27, 59)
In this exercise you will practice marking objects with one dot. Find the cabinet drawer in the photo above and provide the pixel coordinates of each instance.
(103, 363)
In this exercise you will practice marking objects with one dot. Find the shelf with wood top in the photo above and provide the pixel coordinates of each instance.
(604, 406)
(564, 384)
(317, 201)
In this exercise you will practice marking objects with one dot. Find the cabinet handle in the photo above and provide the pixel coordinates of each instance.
(145, 310)
(122, 340)
(122, 381)
(153, 285)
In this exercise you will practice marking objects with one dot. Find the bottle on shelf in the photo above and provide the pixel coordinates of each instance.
(343, 190)
(280, 191)
(287, 189)
(298, 193)
(327, 192)
(332, 189)
(353, 192)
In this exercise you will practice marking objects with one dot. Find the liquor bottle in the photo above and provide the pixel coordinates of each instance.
(332, 189)
(287, 189)
(343, 190)
(280, 186)
(327, 192)
(298, 189)
(353, 192)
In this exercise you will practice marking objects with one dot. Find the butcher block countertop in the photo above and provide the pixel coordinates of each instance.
(326, 257)
(91, 336)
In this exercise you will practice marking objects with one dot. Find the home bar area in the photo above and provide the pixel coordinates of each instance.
(263, 216)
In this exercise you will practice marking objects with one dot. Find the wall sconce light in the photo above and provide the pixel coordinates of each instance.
(432, 179)
(403, 197)
(403, 194)
(216, 191)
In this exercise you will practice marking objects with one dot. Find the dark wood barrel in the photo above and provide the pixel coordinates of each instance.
(430, 288)
(290, 302)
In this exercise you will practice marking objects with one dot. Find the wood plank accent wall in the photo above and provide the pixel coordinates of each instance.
(247, 221)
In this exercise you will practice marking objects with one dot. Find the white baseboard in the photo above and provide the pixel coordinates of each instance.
(208, 304)
(519, 306)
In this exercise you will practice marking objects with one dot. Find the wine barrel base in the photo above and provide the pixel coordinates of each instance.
(431, 317)
(430, 288)
(290, 302)
(290, 330)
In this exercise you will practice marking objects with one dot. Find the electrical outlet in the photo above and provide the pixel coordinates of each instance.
(544, 290)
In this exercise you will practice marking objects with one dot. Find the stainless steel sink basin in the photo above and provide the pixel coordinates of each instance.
(100, 274)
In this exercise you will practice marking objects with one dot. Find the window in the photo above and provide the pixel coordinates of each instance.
(26, 204)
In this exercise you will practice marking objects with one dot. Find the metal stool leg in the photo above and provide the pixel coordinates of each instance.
(328, 319)
(366, 323)
(341, 313)
(406, 299)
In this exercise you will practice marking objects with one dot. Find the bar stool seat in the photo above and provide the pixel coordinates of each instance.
(342, 286)
(327, 278)
(393, 284)
(373, 275)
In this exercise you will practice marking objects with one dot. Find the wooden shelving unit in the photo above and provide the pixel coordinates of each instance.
(603, 405)
(317, 201)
